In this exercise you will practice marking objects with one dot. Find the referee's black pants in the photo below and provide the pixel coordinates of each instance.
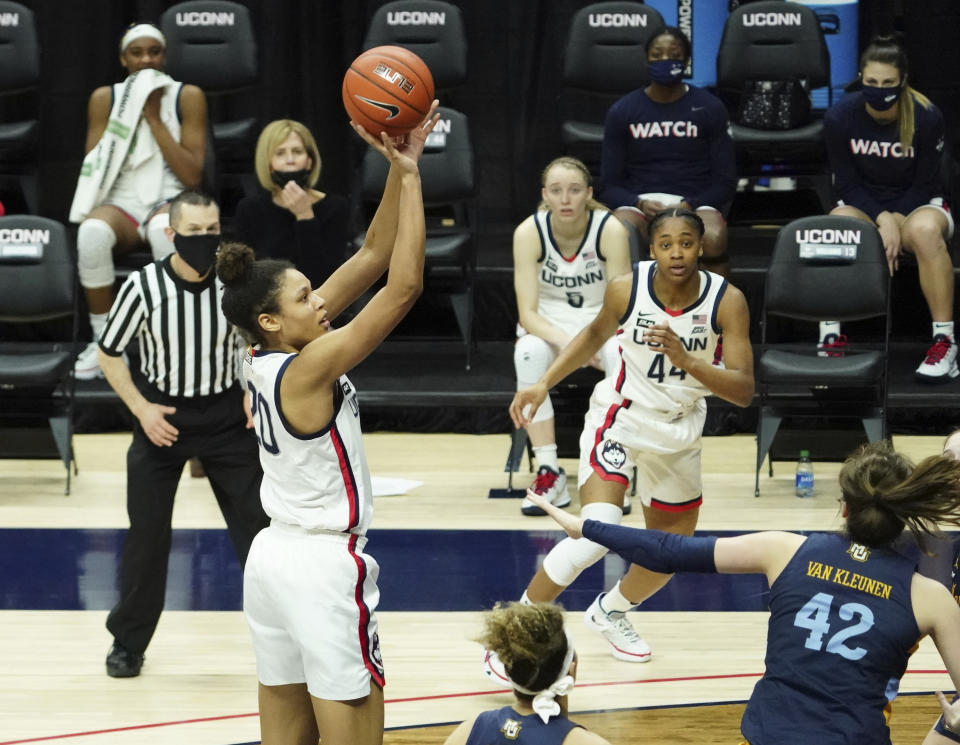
(212, 429)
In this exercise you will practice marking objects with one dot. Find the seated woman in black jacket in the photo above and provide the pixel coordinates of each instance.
(291, 219)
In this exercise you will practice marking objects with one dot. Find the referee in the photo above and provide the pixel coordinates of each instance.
(188, 403)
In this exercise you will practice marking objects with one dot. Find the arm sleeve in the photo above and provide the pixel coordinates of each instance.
(929, 150)
(847, 182)
(613, 160)
(654, 549)
(126, 316)
(723, 168)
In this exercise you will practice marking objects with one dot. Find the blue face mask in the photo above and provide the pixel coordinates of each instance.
(666, 71)
(881, 99)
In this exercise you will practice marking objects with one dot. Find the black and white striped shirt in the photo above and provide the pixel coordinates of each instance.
(187, 346)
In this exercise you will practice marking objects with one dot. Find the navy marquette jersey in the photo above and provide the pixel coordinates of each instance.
(680, 148)
(871, 170)
(841, 629)
(506, 727)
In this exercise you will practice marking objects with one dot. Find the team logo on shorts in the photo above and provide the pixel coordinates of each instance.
(858, 552)
(511, 729)
(375, 650)
(613, 454)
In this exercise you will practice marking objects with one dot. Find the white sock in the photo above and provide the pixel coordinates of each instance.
(524, 600)
(943, 327)
(97, 322)
(546, 455)
(829, 327)
(615, 601)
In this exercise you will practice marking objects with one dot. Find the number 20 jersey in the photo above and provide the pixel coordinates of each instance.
(646, 376)
(840, 633)
(319, 481)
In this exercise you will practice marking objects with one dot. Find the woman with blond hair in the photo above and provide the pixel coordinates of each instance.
(290, 219)
(846, 609)
(541, 665)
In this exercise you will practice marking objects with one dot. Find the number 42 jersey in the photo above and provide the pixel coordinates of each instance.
(319, 481)
(646, 376)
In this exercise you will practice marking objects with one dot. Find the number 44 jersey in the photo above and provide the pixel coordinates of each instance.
(646, 376)
(841, 631)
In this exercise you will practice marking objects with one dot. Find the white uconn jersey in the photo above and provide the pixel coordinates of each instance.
(571, 290)
(318, 481)
(646, 376)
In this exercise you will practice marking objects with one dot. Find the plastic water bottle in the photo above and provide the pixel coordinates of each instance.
(804, 480)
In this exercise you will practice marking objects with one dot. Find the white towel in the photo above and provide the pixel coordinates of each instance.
(103, 163)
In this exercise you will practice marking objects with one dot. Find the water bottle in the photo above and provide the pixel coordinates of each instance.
(804, 480)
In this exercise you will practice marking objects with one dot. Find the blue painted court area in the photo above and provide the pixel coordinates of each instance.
(420, 570)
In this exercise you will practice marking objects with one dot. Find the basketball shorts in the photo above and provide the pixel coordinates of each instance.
(619, 434)
(124, 196)
(937, 203)
(309, 598)
(668, 200)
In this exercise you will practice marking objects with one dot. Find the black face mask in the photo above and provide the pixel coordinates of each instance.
(199, 251)
(301, 177)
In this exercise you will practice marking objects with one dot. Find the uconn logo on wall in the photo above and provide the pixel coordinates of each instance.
(9, 19)
(617, 20)
(416, 18)
(772, 19)
(204, 18)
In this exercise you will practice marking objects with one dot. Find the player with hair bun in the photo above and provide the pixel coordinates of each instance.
(309, 590)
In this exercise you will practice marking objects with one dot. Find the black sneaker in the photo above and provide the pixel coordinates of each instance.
(122, 663)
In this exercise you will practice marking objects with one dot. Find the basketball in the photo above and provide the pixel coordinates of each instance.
(388, 89)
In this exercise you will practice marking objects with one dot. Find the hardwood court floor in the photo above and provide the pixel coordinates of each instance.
(198, 685)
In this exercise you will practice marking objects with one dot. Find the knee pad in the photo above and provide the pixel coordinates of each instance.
(531, 358)
(160, 245)
(570, 557)
(95, 242)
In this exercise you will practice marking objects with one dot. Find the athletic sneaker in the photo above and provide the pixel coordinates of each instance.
(87, 367)
(551, 485)
(940, 364)
(625, 643)
(494, 669)
(832, 345)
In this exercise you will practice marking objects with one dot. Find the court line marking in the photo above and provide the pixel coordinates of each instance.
(436, 697)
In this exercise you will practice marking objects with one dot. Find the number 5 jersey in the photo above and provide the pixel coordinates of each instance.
(841, 631)
(319, 481)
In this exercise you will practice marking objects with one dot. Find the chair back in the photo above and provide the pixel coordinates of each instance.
(431, 29)
(828, 268)
(37, 270)
(210, 43)
(772, 40)
(19, 51)
(446, 166)
(605, 51)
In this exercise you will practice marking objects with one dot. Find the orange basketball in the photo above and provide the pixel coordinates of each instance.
(388, 89)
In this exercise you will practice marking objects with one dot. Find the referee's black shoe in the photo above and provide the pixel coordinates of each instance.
(122, 663)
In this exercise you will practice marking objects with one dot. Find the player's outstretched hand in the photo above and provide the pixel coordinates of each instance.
(406, 150)
(415, 140)
(571, 524)
(525, 404)
(951, 712)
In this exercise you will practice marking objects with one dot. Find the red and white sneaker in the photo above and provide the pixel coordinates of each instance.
(625, 643)
(832, 345)
(940, 364)
(550, 484)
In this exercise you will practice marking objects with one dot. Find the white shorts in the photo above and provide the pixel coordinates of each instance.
(619, 434)
(668, 200)
(937, 203)
(309, 598)
(125, 198)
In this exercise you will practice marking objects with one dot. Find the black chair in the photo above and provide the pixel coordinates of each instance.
(448, 182)
(604, 59)
(19, 78)
(823, 268)
(431, 29)
(210, 43)
(776, 41)
(38, 298)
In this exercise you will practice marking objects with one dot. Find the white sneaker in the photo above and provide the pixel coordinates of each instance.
(625, 643)
(494, 669)
(87, 367)
(940, 364)
(549, 484)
